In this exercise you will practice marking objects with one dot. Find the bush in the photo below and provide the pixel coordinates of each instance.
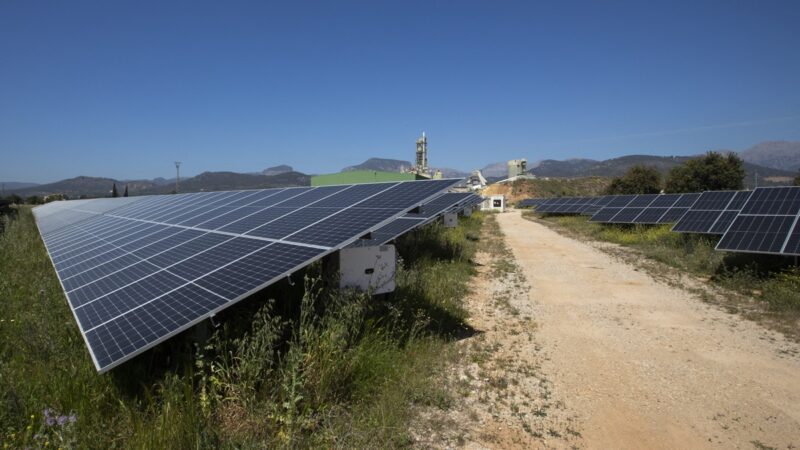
(637, 180)
(712, 172)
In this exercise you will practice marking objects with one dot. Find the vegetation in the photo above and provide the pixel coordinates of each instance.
(774, 280)
(125, 194)
(712, 172)
(797, 180)
(637, 180)
(301, 365)
(114, 192)
(553, 187)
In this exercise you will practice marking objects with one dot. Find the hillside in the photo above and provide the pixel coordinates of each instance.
(782, 155)
(224, 181)
(618, 166)
(87, 186)
(207, 181)
(12, 185)
(381, 165)
(554, 187)
(277, 170)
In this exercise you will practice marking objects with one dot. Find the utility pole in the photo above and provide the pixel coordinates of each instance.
(177, 175)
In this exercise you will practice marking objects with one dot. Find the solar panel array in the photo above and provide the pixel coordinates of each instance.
(450, 202)
(768, 223)
(139, 270)
(713, 212)
(766, 220)
(645, 208)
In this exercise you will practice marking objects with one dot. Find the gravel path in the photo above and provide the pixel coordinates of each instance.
(641, 364)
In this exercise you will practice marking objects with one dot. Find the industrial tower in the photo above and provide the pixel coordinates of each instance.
(422, 155)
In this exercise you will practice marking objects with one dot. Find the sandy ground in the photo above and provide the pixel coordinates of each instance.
(647, 365)
(595, 353)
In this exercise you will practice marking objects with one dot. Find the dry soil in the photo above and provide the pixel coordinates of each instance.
(580, 349)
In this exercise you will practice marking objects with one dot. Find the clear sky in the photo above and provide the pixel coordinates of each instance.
(122, 89)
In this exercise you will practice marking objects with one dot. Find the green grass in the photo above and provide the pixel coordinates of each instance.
(301, 365)
(773, 280)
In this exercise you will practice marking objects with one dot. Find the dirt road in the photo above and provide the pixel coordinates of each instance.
(644, 365)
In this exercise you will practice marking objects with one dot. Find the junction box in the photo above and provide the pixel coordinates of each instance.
(370, 269)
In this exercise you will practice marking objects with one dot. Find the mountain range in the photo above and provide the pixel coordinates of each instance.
(773, 161)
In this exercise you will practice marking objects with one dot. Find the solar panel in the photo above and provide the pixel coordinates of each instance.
(449, 202)
(139, 270)
(712, 213)
(767, 223)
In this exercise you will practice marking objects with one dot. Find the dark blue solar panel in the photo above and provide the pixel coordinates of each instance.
(406, 194)
(605, 214)
(257, 269)
(169, 256)
(353, 195)
(642, 201)
(687, 200)
(626, 215)
(665, 200)
(107, 284)
(312, 196)
(156, 246)
(714, 200)
(696, 221)
(293, 222)
(739, 200)
(723, 222)
(651, 215)
(349, 223)
(619, 201)
(793, 243)
(206, 262)
(129, 335)
(97, 272)
(673, 215)
(774, 201)
(255, 220)
(113, 305)
(757, 234)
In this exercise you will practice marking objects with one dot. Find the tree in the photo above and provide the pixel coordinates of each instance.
(125, 194)
(114, 192)
(637, 180)
(797, 180)
(712, 172)
(34, 200)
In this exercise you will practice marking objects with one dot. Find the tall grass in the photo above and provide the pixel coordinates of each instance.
(303, 365)
(773, 280)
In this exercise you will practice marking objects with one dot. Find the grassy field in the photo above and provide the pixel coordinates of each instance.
(772, 281)
(298, 365)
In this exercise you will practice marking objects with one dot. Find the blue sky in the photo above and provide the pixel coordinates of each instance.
(122, 89)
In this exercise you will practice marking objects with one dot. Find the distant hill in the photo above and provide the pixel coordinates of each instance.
(277, 170)
(83, 185)
(225, 181)
(11, 185)
(452, 173)
(381, 165)
(497, 170)
(784, 155)
(617, 166)
(207, 181)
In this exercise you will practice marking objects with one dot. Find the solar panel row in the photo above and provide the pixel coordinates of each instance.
(141, 269)
(769, 222)
(645, 208)
(449, 202)
(713, 212)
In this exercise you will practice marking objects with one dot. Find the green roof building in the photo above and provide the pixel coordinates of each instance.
(361, 176)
